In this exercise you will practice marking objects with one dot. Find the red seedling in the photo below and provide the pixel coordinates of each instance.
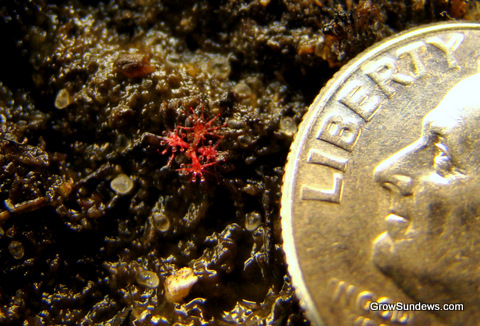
(209, 153)
(196, 168)
(175, 142)
(201, 128)
(191, 143)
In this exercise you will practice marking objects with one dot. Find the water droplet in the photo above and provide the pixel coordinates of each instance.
(148, 279)
(245, 140)
(244, 92)
(161, 221)
(242, 89)
(252, 221)
(63, 99)
(219, 67)
(122, 184)
(288, 126)
(16, 249)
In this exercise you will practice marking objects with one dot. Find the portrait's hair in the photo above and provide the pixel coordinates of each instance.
(465, 94)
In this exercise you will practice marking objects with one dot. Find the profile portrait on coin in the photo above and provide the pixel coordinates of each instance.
(431, 247)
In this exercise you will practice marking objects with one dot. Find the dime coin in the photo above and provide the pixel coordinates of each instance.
(381, 197)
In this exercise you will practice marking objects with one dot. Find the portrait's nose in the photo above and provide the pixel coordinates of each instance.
(396, 172)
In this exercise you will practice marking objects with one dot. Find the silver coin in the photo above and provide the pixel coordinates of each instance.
(381, 196)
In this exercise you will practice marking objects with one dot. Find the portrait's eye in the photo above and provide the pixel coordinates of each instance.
(442, 161)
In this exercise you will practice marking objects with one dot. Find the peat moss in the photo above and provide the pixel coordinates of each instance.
(89, 92)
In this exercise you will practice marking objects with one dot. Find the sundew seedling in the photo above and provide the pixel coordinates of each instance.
(197, 142)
